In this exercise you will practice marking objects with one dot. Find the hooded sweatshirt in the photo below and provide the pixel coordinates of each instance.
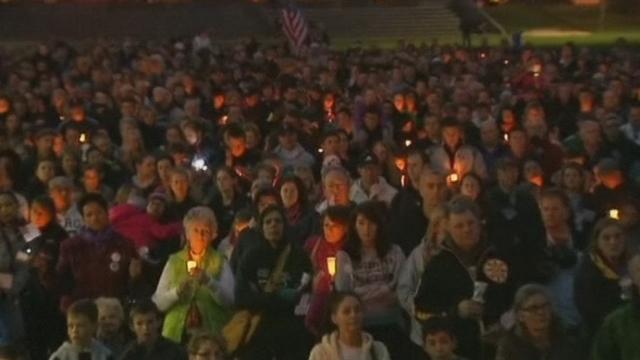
(330, 348)
(136, 225)
(68, 351)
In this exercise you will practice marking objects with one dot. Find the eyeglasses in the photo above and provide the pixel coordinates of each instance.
(536, 308)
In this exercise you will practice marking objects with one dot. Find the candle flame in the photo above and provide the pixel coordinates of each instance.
(191, 265)
(331, 265)
(614, 214)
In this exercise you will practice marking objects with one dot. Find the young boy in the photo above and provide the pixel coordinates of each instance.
(82, 321)
(145, 324)
(439, 340)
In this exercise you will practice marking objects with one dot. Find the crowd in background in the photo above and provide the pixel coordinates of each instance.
(185, 199)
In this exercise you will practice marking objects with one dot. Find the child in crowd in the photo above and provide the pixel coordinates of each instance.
(82, 321)
(145, 322)
(439, 340)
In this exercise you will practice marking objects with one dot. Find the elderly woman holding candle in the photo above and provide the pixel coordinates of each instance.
(196, 287)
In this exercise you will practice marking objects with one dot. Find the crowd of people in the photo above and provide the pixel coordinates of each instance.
(184, 199)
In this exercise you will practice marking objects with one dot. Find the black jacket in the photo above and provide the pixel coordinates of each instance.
(407, 219)
(304, 226)
(447, 280)
(163, 349)
(514, 226)
(595, 294)
(226, 214)
(253, 272)
(515, 345)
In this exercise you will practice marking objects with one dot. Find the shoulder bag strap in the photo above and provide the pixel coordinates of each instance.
(277, 269)
(372, 351)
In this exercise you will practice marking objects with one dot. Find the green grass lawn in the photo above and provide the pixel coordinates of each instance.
(524, 16)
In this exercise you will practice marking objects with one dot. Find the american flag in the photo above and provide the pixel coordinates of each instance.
(294, 26)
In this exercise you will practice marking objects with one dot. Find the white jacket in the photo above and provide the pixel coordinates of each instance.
(328, 349)
(408, 285)
(381, 191)
(67, 351)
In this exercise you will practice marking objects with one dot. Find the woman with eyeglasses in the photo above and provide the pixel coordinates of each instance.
(537, 334)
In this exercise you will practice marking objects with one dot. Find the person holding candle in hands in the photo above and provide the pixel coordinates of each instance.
(196, 287)
(468, 280)
(322, 250)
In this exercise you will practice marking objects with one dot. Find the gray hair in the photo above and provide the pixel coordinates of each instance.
(338, 170)
(200, 214)
(60, 182)
(525, 292)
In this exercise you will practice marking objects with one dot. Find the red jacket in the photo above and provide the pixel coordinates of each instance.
(94, 264)
(139, 227)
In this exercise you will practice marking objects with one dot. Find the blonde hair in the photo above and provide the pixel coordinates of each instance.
(110, 303)
(431, 245)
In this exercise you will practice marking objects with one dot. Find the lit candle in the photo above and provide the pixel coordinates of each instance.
(83, 138)
(614, 214)
(453, 177)
(320, 150)
(331, 265)
(191, 265)
(403, 180)
(407, 143)
(506, 137)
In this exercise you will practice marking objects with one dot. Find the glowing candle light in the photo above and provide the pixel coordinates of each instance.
(331, 265)
(614, 214)
(454, 178)
(407, 143)
(506, 137)
(191, 265)
(83, 138)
